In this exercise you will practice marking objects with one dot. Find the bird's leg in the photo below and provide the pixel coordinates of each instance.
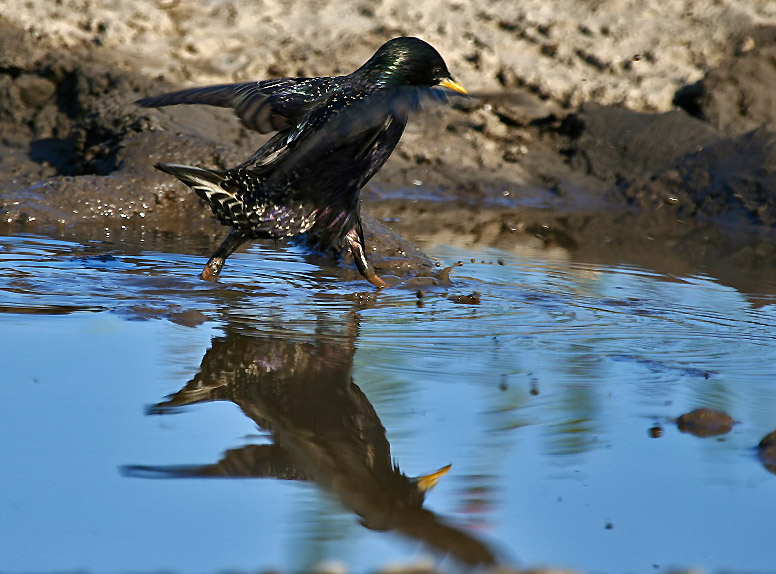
(216, 262)
(355, 239)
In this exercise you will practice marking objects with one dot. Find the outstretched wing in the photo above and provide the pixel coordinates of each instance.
(265, 107)
(326, 127)
(356, 126)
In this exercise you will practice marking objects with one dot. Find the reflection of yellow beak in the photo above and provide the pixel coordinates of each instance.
(425, 483)
(451, 84)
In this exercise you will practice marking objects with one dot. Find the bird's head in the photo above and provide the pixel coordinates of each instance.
(409, 61)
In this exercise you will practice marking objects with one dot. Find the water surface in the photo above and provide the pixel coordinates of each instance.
(134, 394)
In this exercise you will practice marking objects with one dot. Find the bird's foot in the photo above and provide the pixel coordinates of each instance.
(355, 239)
(212, 269)
(216, 262)
(375, 280)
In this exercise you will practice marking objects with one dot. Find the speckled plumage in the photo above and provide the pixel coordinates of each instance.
(334, 134)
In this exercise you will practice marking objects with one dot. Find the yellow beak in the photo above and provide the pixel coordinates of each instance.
(429, 481)
(451, 84)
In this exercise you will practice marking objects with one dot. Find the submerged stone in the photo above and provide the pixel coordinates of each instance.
(766, 452)
(705, 422)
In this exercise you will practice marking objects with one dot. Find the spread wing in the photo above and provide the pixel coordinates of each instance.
(355, 126)
(265, 107)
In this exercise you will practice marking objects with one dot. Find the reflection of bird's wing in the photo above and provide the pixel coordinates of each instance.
(250, 461)
(341, 124)
(266, 106)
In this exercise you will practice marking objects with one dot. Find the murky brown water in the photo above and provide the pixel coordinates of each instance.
(120, 367)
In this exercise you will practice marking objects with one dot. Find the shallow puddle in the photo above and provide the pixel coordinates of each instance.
(134, 394)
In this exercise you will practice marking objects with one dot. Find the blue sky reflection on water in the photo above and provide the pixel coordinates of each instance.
(541, 397)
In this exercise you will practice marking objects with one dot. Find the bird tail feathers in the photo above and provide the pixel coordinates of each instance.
(206, 183)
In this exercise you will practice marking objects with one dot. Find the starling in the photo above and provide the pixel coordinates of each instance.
(333, 134)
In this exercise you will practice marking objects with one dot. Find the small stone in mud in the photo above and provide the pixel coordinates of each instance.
(705, 422)
(470, 299)
(655, 431)
(766, 452)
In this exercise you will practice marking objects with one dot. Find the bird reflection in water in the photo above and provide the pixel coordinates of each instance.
(323, 428)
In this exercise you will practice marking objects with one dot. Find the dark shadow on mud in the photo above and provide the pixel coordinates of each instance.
(323, 430)
(61, 154)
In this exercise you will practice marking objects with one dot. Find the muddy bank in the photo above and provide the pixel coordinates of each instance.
(633, 53)
(511, 167)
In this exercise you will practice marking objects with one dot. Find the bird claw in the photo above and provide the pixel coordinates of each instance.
(376, 281)
(216, 262)
(212, 269)
(355, 240)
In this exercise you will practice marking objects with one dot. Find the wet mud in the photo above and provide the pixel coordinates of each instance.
(693, 184)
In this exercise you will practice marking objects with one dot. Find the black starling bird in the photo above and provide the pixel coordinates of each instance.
(334, 134)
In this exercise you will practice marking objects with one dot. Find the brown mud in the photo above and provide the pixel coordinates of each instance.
(694, 187)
